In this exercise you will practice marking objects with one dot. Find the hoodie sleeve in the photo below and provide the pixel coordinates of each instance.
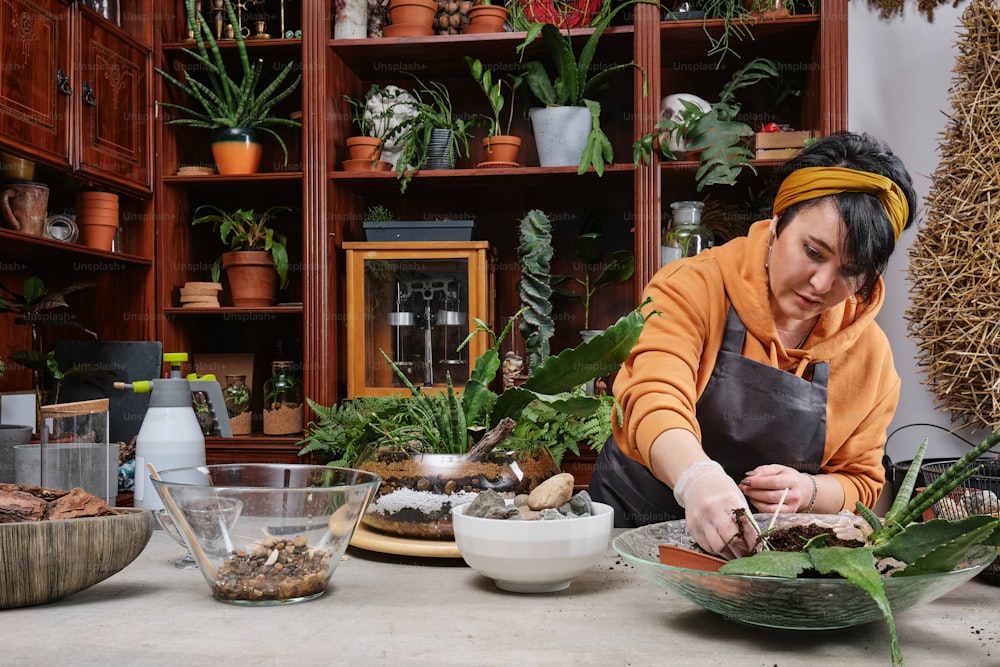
(659, 384)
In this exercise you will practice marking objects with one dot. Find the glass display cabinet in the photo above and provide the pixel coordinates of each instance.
(415, 302)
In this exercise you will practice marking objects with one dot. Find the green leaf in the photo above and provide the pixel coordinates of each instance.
(600, 356)
(857, 565)
(938, 545)
(787, 564)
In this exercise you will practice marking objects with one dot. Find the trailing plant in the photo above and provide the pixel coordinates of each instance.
(938, 545)
(715, 135)
(434, 111)
(576, 82)
(247, 229)
(493, 89)
(225, 101)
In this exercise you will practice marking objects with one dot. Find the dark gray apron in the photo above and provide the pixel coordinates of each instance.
(750, 414)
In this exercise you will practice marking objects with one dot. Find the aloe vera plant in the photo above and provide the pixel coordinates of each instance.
(937, 545)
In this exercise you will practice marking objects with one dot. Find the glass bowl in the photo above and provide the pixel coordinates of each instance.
(533, 556)
(774, 602)
(419, 491)
(282, 546)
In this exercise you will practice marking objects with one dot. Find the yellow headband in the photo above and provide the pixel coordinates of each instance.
(815, 182)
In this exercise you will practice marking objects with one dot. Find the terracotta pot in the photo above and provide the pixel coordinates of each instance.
(99, 232)
(407, 30)
(366, 165)
(413, 12)
(486, 18)
(24, 207)
(237, 150)
(364, 148)
(502, 148)
(253, 280)
(97, 218)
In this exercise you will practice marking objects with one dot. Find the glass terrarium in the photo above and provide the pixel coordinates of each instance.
(419, 490)
(410, 305)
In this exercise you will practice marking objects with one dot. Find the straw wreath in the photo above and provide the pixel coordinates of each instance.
(954, 265)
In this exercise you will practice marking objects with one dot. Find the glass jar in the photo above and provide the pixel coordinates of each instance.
(283, 410)
(203, 412)
(237, 397)
(686, 236)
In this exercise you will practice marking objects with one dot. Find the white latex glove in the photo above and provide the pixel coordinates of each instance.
(709, 496)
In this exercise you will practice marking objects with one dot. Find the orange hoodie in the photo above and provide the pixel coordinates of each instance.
(660, 383)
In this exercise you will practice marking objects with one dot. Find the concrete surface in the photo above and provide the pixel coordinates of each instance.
(390, 610)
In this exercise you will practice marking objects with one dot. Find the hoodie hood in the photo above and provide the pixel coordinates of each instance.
(746, 284)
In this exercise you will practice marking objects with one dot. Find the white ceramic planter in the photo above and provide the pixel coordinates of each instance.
(560, 134)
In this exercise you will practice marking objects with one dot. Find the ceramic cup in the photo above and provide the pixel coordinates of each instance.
(24, 207)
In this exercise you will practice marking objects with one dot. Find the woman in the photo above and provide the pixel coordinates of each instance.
(765, 379)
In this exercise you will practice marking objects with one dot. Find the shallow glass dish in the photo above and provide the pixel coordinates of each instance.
(283, 545)
(775, 602)
(419, 491)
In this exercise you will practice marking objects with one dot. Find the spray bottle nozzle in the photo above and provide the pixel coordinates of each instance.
(139, 386)
(175, 359)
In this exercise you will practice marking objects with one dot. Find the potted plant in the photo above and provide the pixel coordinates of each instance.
(256, 263)
(568, 126)
(236, 110)
(435, 136)
(714, 135)
(373, 116)
(590, 248)
(501, 146)
(485, 16)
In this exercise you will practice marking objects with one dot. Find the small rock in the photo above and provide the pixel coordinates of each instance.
(485, 502)
(551, 514)
(520, 500)
(578, 505)
(552, 493)
(527, 513)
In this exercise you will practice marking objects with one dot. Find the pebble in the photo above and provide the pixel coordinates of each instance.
(552, 493)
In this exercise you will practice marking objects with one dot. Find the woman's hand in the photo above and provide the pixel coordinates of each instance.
(711, 501)
(765, 485)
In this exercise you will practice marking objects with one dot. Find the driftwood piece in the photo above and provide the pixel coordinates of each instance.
(481, 450)
(22, 502)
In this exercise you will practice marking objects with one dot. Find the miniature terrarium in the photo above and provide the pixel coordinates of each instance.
(419, 490)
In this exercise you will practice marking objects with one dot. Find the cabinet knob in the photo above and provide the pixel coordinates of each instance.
(88, 95)
(62, 83)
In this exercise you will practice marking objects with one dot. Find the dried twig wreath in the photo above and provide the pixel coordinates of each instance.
(955, 260)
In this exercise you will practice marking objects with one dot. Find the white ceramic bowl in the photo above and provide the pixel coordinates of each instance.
(533, 556)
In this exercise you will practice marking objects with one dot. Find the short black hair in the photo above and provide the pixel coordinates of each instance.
(870, 239)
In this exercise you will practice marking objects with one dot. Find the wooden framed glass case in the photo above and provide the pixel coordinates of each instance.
(416, 302)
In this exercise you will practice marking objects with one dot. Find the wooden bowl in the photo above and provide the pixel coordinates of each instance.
(44, 561)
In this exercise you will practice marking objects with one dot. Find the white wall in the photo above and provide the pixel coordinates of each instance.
(899, 75)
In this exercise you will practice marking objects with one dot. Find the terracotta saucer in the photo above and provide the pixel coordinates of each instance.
(498, 165)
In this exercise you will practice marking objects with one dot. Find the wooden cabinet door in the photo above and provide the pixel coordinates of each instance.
(36, 78)
(114, 114)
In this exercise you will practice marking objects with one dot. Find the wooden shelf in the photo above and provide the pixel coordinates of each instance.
(29, 249)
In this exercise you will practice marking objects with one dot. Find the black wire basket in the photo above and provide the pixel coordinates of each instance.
(980, 494)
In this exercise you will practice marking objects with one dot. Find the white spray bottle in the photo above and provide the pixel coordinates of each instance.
(170, 436)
